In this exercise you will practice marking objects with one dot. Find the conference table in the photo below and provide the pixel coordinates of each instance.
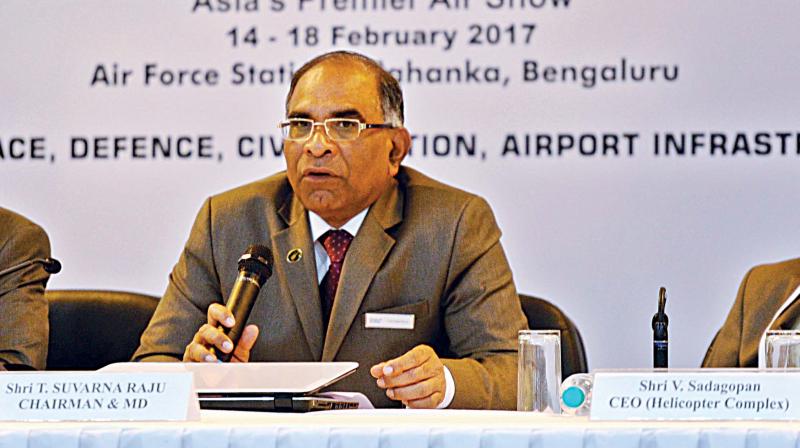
(398, 428)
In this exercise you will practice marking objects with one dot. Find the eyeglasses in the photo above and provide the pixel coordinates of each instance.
(337, 129)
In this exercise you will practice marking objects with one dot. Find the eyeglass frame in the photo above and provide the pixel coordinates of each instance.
(361, 126)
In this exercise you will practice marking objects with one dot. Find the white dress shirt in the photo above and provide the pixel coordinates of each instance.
(762, 344)
(318, 228)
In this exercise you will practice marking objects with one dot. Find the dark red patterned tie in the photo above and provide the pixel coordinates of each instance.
(335, 243)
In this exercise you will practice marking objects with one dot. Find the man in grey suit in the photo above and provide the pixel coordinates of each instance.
(374, 262)
(768, 298)
(23, 326)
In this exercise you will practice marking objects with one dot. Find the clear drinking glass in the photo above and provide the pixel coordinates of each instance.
(539, 371)
(783, 348)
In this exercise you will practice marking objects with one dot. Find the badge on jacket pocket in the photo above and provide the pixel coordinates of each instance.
(388, 320)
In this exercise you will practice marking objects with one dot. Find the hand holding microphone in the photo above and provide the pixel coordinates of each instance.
(224, 335)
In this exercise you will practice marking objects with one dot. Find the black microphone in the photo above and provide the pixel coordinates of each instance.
(660, 335)
(50, 265)
(255, 267)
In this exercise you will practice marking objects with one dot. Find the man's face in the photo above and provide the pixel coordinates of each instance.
(338, 179)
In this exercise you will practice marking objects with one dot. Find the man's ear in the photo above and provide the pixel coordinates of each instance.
(401, 143)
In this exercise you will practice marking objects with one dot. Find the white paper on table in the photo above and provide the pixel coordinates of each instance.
(358, 397)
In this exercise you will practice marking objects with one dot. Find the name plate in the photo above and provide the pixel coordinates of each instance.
(84, 396)
(710, 394)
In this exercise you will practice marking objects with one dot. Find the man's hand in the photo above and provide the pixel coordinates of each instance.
(210, 337)
(416, 378)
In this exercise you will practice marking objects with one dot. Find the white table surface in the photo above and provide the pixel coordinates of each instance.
(398, 428)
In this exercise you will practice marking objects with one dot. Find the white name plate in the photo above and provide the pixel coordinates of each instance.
(710, 394)
(388, 320)
(96, 396)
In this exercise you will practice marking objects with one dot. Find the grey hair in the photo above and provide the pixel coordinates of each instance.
(391, 96)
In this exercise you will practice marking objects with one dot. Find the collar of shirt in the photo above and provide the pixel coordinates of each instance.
(319, 227)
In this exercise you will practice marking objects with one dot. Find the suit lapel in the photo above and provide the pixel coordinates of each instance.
(363, 260)
(768, 303)
(788, 318)
(301, 275)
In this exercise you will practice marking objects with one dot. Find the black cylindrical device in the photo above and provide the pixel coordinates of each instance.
(50, 265)
(660, 334)
(255, 267)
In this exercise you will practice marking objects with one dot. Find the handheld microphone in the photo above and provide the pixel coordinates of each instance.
(255, 267)
(50, 265)
(660, 335)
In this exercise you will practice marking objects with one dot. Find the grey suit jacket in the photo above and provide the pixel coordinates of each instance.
(424, 248)
(762, 292)
(24, 326)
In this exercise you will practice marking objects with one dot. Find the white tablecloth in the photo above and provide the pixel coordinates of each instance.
(398, 428)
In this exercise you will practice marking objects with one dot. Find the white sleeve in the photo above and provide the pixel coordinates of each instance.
(449, 389)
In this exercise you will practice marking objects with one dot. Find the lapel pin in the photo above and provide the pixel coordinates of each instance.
(294, 255)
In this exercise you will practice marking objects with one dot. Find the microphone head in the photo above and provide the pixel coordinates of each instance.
(51, 265)
(258, 260)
